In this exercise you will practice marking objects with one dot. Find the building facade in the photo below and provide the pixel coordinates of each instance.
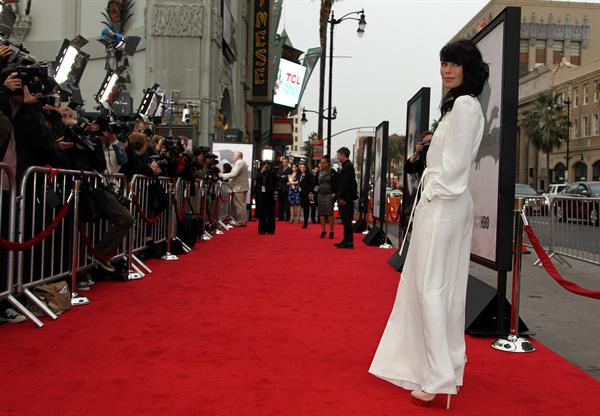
(559, 54)
(196, 49)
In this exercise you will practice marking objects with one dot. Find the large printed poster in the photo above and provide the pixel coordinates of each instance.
(225, 152)
(381, 154)
(485, 171)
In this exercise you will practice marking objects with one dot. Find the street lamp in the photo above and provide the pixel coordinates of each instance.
(568, 157)
(362, 24)
(304, 120)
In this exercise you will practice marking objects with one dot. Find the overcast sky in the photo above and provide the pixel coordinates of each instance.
(395, 58)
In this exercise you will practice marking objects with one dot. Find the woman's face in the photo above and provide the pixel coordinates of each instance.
(323, 164)
(452, 74)
(294, 168)
(303, 169)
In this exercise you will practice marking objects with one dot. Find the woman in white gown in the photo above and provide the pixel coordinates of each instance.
(423, 346)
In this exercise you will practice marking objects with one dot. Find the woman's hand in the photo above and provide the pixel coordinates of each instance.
(5, 51)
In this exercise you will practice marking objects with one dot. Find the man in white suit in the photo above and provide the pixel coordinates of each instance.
(238, 182)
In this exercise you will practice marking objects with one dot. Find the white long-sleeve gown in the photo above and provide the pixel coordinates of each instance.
(423, 344)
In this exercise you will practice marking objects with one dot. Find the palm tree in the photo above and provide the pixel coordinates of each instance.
(546, 127)
(326, 6)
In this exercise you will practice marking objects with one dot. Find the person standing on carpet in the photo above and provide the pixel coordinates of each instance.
(266, 184)
(282, 195)
(326, 184)
(294, 193)
(238, 182)
(423, 345)
(307, 186)
(347, 193)
(313, 197)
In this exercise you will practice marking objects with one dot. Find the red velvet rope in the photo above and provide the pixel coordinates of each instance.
(52, 172)
(9, 245)
(89, 244)
(180, 213)
(223, 199)
(136, 202)
(191, 206)
(551, 269)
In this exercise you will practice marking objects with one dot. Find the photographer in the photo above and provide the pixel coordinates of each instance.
(417, 163)
(178, 163)
(85, 152)
(265, 185)
(138, 162)
(31, 141)
(114, 152)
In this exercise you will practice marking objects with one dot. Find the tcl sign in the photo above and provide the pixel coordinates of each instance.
(289, 83)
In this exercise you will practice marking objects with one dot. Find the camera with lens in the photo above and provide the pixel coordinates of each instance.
(78, 134)
(160, 161)
(37, 78)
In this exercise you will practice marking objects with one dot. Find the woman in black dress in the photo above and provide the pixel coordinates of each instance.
(307, 185)
(265, 185)
(326, 195)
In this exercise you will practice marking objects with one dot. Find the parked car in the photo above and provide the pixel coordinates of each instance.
(552, 191)
(533, 204)
(582, 205)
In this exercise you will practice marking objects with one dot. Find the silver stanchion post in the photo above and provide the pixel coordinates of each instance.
(76, 300)
(168, 256)
(514, 343)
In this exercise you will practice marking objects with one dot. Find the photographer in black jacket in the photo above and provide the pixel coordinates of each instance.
(347, 193)
(87, 153)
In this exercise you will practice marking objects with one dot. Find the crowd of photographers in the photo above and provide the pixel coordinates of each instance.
(37, 130)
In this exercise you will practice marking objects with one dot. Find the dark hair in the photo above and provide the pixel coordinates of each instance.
(327, 159)
(345, 151)
(425, 133)
(475, 72)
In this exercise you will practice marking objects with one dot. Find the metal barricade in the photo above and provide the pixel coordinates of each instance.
(224, 206)
(149, 226)
(8, 226)
(575, 228)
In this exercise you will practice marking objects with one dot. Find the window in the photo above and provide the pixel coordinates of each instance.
(586, 95)
(575, 129)
(558, 49)
(596, 90)
(560, 99)
(576, 53)
(575, 97)
(540, 52)
(580, 171)
(524, 57)
(559, 172)
(295, 148)
(595, 124)
(596, 171)
(584, 126)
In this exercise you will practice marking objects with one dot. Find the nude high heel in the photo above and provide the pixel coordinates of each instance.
(423, 399)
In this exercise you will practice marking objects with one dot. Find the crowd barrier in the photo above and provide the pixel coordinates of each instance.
(43, 240)
(566, 226)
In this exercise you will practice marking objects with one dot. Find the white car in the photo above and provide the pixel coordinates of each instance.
(553, 190)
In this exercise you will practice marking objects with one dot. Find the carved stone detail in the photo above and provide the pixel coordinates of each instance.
(555, 30)
(217, 27)
(177, 20)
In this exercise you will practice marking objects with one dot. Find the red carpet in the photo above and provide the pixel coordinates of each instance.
(256, 325)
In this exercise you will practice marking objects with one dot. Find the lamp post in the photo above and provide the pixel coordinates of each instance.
(362, 23)
(568, 156)
(332, 116)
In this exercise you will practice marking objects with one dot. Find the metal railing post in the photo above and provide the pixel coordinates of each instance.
(170, 213)
(514, 343)
(76, 300)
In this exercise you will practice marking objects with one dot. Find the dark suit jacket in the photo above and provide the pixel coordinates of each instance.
(307, 185)
(347, 188)
(282, 175)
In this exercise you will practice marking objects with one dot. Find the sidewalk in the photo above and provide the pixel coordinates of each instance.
(566, 323)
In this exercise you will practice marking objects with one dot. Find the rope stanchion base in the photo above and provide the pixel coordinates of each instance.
(77, 300)
(513, 344)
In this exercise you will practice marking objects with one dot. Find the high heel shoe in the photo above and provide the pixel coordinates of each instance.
(331, 236)
(323, 234)
(423, 399)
